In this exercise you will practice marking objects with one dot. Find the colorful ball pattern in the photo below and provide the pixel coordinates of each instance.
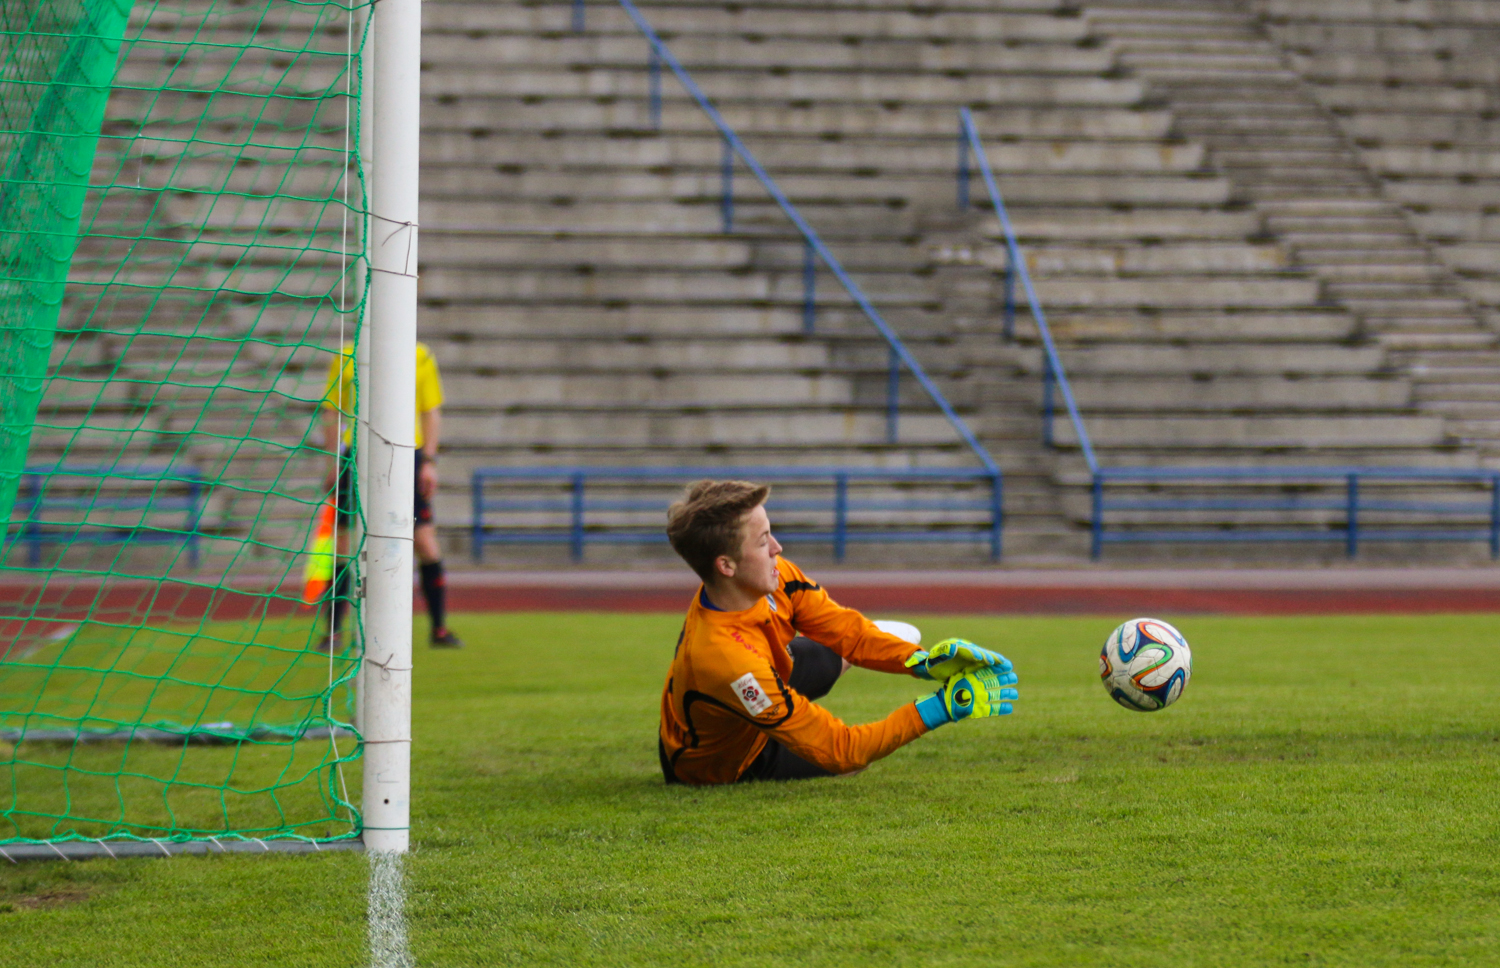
(1145, 664)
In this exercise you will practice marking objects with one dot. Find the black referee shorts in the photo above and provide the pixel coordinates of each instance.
(421, 507)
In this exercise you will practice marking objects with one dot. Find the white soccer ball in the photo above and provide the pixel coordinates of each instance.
(1145, 664)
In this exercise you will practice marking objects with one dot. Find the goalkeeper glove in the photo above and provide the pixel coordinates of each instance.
(954, 657)
(984, 692)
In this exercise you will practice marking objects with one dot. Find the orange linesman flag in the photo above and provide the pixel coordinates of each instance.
(317, 574)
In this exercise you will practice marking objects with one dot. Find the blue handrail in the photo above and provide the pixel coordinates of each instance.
(815, 249)
(981, 519)
(1015, 267)
(34, 500)
(1352, 502)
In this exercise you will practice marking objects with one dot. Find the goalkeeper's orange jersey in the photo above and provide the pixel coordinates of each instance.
(726, 693)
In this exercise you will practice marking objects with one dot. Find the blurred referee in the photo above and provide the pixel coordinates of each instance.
(338, 402)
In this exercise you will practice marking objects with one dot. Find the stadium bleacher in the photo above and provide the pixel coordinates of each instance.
(1414, 88)
(637, 317)
(1257, 229)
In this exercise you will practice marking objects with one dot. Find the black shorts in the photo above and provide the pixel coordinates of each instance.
(421, 507)
(815, 668)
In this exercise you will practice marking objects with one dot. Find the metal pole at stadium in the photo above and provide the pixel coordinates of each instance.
(393, 378)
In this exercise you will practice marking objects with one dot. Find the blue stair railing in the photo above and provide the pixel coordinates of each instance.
(1349, 503)
(1053, 374)
(814, 250)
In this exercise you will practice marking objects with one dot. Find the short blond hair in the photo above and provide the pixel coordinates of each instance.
(705, 523)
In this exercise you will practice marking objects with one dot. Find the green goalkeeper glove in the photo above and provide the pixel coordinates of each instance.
(984, 692)
(954, 657)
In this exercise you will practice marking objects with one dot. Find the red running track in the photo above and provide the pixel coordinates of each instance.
(1000, 600)
(1260, 592)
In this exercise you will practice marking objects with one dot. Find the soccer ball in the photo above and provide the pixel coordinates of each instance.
(1145, 664)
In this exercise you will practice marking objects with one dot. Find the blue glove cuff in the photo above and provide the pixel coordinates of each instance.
(932, 711)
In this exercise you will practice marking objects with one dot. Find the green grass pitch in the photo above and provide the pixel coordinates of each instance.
(1327, 792)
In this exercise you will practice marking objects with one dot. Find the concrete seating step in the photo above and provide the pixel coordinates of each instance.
(447, 156)
(582, 187)
(1416, 308)
(492, 116)
(1374, 67)
(1181, 292)
(1421, 340)
(703, 429)
(1260, 432)
(1287, 326)
(1219, 361)
(656, 357)
(1334, 228)
(1439, 98)
(620, 391)
(1475, 225)
(1035, 223)
(1353, 277)
(1311, 36)
(1475, 194)
(621, 320)
(1433, 161)
(1484, 291)
(1398, 455)
(1262, 395)
(1420, 128)
(1477, 257)
(992, 23)
(595, 50)
(893, 88)
(1432, 13)
(1219, 259)
(607, 285)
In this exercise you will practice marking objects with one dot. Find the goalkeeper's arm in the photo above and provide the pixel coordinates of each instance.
(818, 736)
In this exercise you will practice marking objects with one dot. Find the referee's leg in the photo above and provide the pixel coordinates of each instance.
(430, 565)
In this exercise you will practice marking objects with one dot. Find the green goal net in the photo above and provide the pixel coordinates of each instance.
(181, 244)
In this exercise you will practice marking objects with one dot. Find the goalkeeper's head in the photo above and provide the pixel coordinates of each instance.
(721, 530)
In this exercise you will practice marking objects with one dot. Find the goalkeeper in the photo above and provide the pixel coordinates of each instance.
(738, 703)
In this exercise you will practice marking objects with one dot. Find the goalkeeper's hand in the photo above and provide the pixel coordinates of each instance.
(983, 692)
(954, 657)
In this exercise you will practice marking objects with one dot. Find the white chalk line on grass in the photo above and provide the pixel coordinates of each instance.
(387, 912)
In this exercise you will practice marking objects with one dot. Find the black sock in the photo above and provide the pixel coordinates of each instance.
(340, 596)
(435, 590)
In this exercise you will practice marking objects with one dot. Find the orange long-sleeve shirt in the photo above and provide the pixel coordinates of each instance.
(726, 692)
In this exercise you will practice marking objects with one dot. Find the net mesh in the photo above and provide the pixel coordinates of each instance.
(180, 239)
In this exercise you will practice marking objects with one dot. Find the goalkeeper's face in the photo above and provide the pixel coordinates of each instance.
(755, 570)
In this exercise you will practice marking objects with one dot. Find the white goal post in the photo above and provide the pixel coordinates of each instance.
(392, 328)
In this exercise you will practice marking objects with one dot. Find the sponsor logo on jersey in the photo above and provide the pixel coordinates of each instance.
(750, 694)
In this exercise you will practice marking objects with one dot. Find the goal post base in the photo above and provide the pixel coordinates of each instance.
(90, 849)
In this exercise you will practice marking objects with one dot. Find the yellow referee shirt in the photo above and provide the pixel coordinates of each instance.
(339, 394)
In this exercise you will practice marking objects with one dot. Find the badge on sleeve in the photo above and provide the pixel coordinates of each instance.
(750, 694)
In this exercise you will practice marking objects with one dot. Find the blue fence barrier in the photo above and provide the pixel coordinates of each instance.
(571, 513)
(171, 490)
(1353, 502)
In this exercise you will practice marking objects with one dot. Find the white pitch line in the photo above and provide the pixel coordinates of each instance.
(387, 912)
